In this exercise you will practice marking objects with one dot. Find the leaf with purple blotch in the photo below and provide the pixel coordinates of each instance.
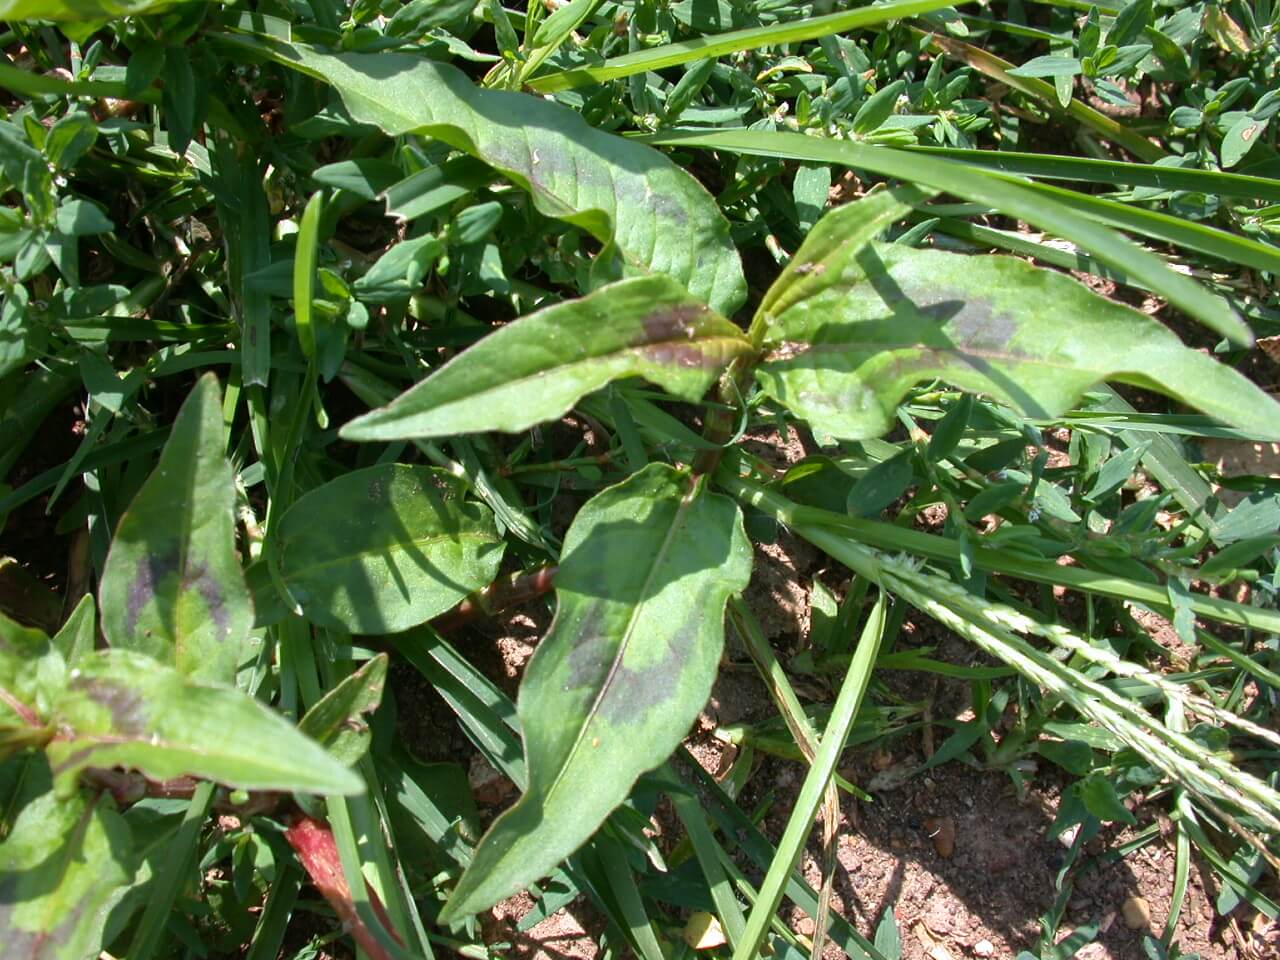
(173, 587)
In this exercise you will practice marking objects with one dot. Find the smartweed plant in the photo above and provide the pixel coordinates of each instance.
(440, 292)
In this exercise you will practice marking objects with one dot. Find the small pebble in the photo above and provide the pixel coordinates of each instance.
(1137, 913)
(984, 948)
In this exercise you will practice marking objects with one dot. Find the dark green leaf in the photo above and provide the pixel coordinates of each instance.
(872, 114)
(1073, 756)
(1238, 555)
(659, 217)
(180, 98)
(536, 368)
(383, 549)
(400, 271)
(123, 709)
(172, 586)
(947, 435)
(1101, 800)
(881, 485)
(647, 568)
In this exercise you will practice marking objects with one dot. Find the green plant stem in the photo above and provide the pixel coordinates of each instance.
(994, 629)
(887, 536)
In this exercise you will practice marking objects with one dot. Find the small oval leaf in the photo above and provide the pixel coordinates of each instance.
(647, 568)
(384, 549)
(535, 368)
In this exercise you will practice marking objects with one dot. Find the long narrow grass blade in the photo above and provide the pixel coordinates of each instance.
(1113, 173)
(718, 45)
(709, 854)
(806, 806)
(168, 878)
(995, 190)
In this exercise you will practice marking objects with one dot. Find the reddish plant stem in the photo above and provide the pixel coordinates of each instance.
(313, 842)
(500, 595)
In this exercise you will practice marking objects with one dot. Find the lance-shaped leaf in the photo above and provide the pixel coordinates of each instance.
(337, 719)
(647, 568)
(173, 587)
(384, 549)
(123, 709)
(624, 193)
(844, 357)
(79, 11)
(67, 862)
(535, 368)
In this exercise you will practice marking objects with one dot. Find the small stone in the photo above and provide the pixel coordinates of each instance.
(1136, 913)
(942, 831)
(984, 948)
(805, 926)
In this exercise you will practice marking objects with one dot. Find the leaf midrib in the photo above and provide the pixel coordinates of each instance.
(403, 544)
(562, 370)
(686, 503)
(985, 354)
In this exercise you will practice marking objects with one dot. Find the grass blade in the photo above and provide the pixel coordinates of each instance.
(1010, 198)
(806, 806)
(718, 45)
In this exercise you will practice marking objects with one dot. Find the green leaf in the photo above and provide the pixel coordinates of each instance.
(1239, 140)
(383, 549)
(80, 632)
(172, 587)
(877, 109)
(123, 709)
(625, 194)
(881, 485)
(1048, 66)
(1099, 796)
(845, 357)
(67, 862)
(336, 721)
(647, 568)
(537, 367)
(78, 11)
(30, 671)
(180, 98)
(1074, 756)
